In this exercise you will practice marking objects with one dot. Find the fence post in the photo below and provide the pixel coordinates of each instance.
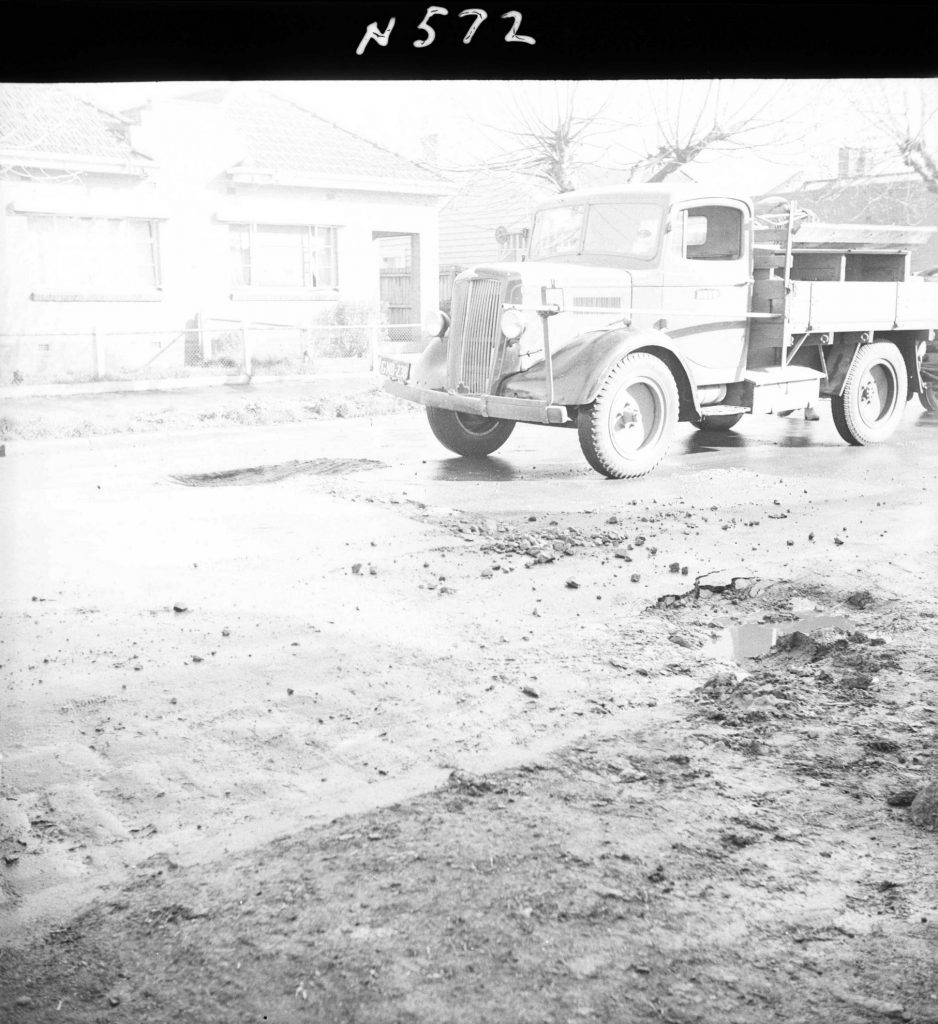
(373, 343)
(99, 353)
(205, 346)
(248, 353)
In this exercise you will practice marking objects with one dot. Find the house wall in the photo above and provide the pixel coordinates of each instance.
(487, 201)
(467, 229)
(45, 333)
(357, 217)
(54, 337)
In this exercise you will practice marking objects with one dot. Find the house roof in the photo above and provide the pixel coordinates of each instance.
(282, 137)
(48, 124)
(895, 199)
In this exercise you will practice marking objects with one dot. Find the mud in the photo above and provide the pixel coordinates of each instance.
(280, 471)
(387, 764)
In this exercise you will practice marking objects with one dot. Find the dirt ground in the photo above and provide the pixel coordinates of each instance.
(92, 414)
(559, 752)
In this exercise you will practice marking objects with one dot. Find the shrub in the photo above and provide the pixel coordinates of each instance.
(227, 350)
(344, 343)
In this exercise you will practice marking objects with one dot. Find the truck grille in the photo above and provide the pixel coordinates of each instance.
(476, 345)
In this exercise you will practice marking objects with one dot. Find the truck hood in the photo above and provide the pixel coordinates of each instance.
(589, 299)
(561, 275)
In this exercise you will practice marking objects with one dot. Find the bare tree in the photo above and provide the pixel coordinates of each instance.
(668, 126)
(551, 145)
(691, 120)
(907, 114)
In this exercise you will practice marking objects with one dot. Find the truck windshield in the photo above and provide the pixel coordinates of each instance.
(611, 229)
(557, 232)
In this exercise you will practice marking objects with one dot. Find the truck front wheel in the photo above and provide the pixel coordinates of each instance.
(466, 434)
(625, 432)
(874, 395)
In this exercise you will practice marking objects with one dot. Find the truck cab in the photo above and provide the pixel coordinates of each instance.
(684, 254)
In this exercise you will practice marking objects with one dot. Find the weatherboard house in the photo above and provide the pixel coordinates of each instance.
(142, 238)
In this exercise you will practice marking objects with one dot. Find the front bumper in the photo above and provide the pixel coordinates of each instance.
(525, 410)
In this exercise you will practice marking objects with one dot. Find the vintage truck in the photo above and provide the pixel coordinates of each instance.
(640, 306)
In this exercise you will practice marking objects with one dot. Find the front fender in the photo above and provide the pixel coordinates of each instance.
(580, 367)
(428, 370)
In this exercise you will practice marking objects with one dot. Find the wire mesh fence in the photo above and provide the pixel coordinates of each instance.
(206, 346)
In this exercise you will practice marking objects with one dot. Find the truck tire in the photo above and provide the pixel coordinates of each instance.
(625, 432)
(726, 422)
(929, 397)
(466, 434)
(874, 395)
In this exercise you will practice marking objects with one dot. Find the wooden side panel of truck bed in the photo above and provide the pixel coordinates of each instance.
(824, 306)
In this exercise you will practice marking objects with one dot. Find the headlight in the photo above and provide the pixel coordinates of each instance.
(436, 324)
(512, 324)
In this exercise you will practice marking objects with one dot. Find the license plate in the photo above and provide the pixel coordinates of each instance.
(394, 369)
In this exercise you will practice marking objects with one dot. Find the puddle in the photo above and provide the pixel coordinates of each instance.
(279, 471)
(754, 638)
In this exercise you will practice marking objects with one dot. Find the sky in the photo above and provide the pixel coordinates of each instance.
(792, 127)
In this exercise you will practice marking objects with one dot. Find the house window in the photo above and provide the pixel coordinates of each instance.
(95, 254)
(277, 256)
(713, 233)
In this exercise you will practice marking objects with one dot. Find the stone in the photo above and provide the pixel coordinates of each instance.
(901, 797)
(925, 807)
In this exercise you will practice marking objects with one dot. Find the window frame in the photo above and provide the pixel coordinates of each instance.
(697, 211)
(71, 248)
(244, 263)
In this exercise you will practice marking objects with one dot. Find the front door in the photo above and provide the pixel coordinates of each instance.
(705, 299)
(397, 259)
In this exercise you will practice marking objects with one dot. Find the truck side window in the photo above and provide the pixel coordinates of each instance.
(713, 233)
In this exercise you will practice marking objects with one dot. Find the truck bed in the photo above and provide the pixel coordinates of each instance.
(827, 306)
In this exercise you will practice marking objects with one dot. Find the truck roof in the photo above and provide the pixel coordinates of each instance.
(664, 192)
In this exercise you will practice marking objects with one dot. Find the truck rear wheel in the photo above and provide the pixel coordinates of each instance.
(874, 395)
(718, 422)
(466, 434)
(625, 432)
